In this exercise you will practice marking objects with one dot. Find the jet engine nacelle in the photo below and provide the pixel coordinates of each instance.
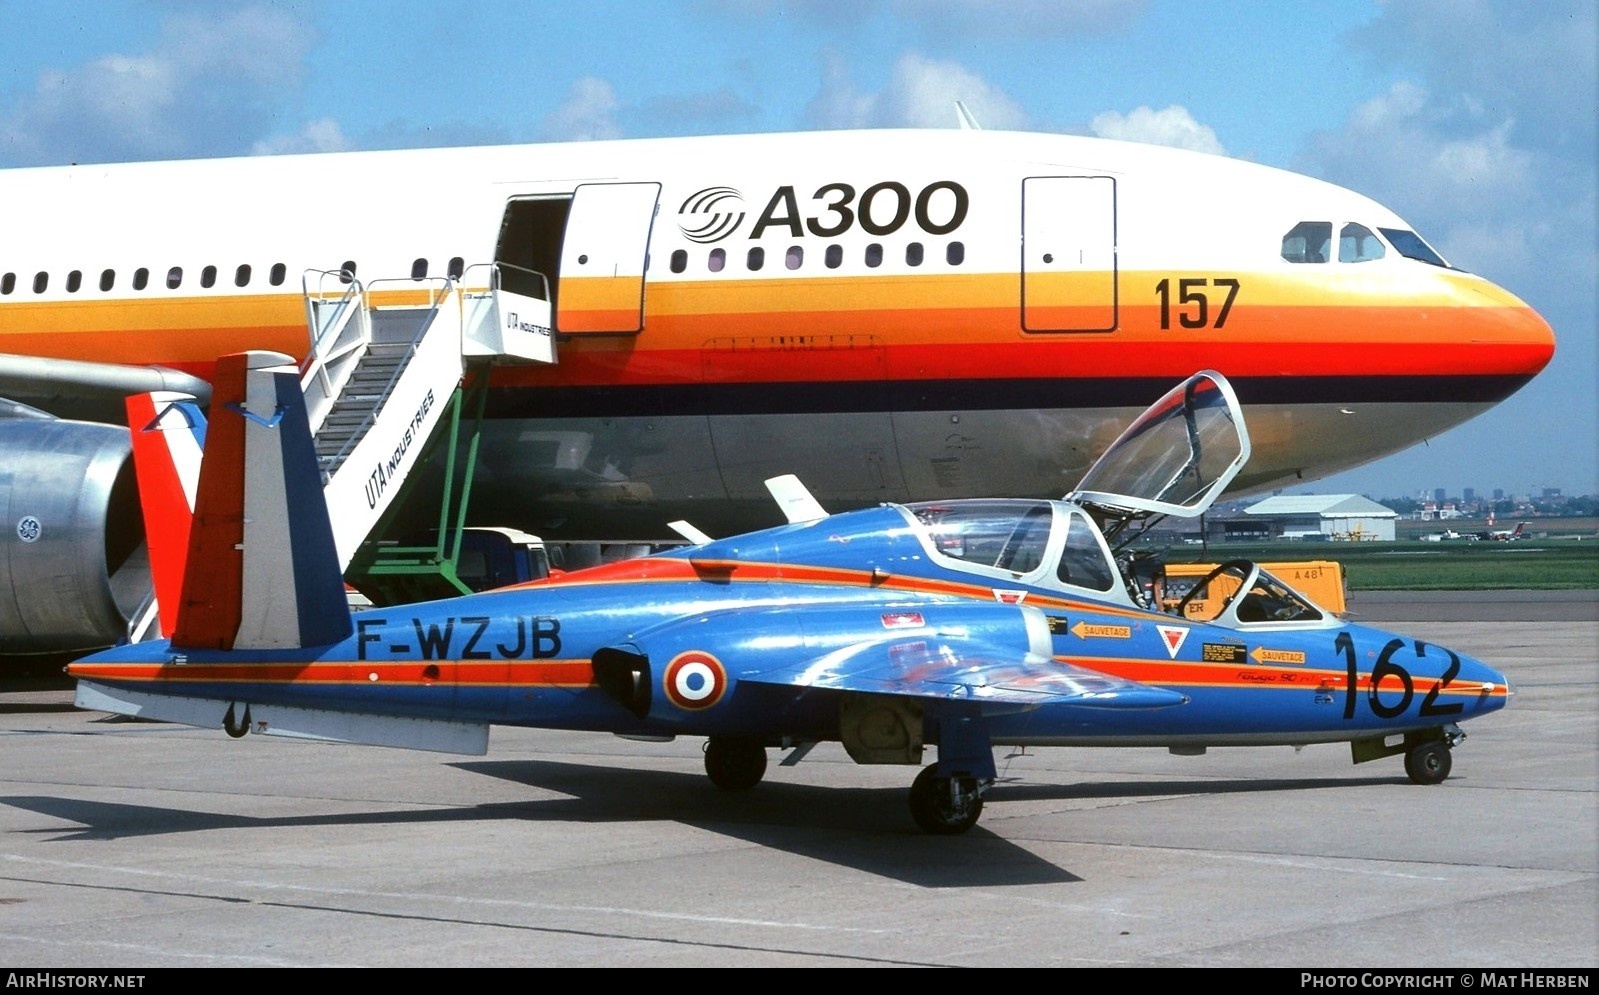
(70, 576)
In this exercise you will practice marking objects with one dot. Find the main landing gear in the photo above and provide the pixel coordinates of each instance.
(941, 805)
(946, 806)
(734, 764)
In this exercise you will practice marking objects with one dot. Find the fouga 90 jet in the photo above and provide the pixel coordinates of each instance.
(958, 625)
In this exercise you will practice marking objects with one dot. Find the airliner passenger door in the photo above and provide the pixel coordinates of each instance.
(602, 258)
(1069, 254)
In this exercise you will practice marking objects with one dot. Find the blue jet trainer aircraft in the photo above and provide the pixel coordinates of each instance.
(963, 625)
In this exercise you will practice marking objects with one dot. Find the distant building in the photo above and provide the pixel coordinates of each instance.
(1325, 516)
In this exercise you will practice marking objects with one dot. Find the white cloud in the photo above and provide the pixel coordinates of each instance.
(1487, 146)
(920, 93)
(207, 87)
(955, 20)
(1410, 151)
(322, 135)
(1172, 126)
(588, 113)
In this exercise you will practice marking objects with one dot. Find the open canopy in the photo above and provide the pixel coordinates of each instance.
(1175, 458)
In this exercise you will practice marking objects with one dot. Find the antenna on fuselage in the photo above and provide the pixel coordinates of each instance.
(964, 116)
(795, 499)
(688, 531)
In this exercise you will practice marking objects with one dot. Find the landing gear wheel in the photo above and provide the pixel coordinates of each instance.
(234, 727)
(1429, 762)
(734, 764)
(945, 806)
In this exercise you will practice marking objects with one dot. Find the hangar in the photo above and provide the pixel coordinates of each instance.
(1325, 516)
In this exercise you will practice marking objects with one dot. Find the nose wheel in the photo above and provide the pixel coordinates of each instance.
(946, 806)
(1429, 762)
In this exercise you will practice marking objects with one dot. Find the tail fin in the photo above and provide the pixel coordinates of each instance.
(168, 437)
(262, 569)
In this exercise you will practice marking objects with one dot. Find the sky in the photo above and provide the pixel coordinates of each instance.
(1475, 120)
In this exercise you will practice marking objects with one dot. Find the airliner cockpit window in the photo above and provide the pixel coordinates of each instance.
(1359, 244)
(1410, 245)
(1308, 242)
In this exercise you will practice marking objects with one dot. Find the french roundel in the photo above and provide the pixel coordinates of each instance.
(711, 214)
(694, 680)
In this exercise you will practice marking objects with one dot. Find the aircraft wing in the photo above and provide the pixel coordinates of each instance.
(88, 391)
(966, 670)
(990, 654)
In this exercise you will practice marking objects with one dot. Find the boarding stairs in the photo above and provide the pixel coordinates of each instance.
(387, 357)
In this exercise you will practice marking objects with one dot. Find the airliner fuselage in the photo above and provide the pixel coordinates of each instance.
(892, 316)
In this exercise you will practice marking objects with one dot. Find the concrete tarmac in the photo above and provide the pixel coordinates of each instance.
(129, 845)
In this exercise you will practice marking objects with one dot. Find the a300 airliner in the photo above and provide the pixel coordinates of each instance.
(891, 315)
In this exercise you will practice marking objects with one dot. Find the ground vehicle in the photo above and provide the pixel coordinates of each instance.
(1321, 580)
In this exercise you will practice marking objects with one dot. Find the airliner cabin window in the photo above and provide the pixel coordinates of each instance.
(175, 278)
(756, 258)
(679, 260)
(419, 269)
(1082, 562)
(208, 276)
(279, 271)
(794, 257)
(74, 281)
(108, 279)
(141, 278)
(874, 255)
(241, 276)
(41, 280)
(913, 254)
(955, 253)
(347, 272)
(8, 283)
(834, 257)
(456, 268)
(716, 260)
(1307, 242)
(1358, 244)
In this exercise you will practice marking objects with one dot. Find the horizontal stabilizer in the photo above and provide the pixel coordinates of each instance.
(322, 725)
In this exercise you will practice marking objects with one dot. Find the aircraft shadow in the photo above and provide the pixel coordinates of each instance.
(867, 829)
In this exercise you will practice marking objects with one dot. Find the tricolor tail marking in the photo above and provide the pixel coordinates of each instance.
(262, 572)
(168, 430)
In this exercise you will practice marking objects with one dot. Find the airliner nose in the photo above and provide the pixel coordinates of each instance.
(1520, 339)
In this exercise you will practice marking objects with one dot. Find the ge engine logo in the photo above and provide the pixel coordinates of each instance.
(711, 214)
(29, 529)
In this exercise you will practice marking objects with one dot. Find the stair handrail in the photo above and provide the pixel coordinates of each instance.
(436, 300)
(325, 335)
(497, 266)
